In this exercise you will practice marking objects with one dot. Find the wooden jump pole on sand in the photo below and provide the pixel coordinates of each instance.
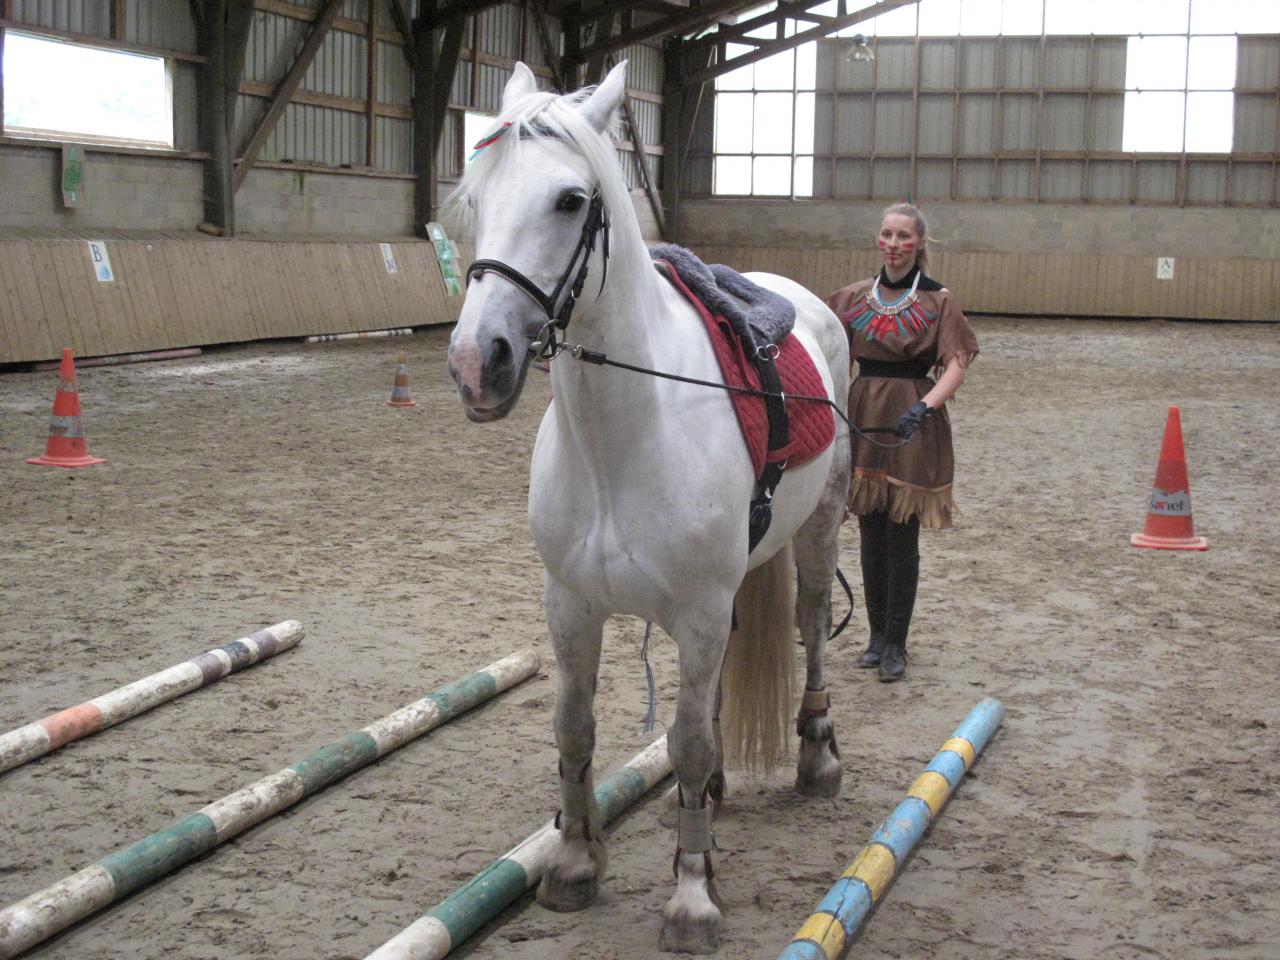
(39, 916)
(58, 729)
(490, 891)
(827, 932)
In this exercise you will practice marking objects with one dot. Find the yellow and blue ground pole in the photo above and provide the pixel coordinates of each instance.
(825, 935)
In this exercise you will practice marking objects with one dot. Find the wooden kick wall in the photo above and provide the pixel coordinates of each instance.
(193, 292)
(1045, 284)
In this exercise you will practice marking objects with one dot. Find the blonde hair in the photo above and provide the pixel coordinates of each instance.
(922, 229)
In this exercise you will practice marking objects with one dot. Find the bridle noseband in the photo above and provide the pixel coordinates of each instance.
(546, 346)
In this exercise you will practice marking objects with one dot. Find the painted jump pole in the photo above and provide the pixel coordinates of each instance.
(500, 884)
(826, 933)
(41, 915)
(58, 729)
(360, 335)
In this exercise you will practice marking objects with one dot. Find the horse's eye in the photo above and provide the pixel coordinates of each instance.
(570, 201)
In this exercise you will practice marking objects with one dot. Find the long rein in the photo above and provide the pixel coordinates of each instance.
(579, 352)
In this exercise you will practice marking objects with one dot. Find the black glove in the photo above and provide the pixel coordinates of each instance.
(910, 421)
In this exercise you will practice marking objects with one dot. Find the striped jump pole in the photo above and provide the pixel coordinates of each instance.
(39, 916)
(58, 729)
(360, 335)
(500, 884)
(826, 933)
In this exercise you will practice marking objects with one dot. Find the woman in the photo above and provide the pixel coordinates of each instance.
(902, 324)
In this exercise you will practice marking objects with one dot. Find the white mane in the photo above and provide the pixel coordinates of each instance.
(545, 116)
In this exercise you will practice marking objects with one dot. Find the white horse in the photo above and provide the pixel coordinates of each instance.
(640, 487)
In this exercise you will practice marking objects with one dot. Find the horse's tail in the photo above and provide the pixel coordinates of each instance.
(756, 683)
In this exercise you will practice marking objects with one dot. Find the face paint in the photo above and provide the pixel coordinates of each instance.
(901, 246)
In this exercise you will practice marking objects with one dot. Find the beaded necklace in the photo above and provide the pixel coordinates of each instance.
(904, 302)
(876, 320)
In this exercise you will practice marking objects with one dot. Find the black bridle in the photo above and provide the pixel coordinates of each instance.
(546, 346)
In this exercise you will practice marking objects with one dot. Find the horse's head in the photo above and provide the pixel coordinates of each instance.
(531, 197)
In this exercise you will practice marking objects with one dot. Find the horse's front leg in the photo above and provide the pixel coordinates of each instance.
(579, 860)
(691, 920)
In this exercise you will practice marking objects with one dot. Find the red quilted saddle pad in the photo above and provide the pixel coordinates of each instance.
(812, 425)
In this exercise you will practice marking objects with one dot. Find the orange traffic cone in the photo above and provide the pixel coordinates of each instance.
(66, 446)
(400, 389)
(1169, 525)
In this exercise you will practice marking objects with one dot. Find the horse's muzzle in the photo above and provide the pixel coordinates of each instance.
(488, 375)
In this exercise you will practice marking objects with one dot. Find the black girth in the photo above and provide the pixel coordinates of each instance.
(775, 404)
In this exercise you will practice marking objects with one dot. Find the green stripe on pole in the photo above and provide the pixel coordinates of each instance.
(332, 763)
(462, 695)
(45, 912)
(503, 882)
(619, 792)
(152, 857)
(475, 903)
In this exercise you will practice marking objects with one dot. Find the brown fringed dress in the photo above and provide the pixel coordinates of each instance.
(905, 336)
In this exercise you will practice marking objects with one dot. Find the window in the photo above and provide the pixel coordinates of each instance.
(764, 123)
(55, 90)
(1025, 100)
(1178, 94)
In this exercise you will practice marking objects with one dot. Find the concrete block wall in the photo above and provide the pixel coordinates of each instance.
(283, 202)
(120, 191)
(1067, 229)
(132, 192)
(136, 192)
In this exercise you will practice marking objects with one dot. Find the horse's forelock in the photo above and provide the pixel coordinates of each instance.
(541, 116)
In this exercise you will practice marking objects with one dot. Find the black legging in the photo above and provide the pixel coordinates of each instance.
(890, 572)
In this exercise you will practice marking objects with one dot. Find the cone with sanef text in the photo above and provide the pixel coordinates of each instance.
(66, 446)
(1169, 525)
(400, 388)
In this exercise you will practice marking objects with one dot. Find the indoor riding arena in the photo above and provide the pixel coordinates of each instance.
(276, 677)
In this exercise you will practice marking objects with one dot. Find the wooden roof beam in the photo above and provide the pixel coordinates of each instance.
(285, 89)
(688, 20)
(769, 48)
(406, 33)
(458, 8)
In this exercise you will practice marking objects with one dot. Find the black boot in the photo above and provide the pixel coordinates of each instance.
(873, 545)
(903, 569)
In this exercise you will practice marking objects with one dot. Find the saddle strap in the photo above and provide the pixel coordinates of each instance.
(779, 436)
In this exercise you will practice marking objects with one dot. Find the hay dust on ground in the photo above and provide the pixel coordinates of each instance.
(1127, 808)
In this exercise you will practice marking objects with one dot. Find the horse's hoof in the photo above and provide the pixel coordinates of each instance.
(717, 787)
(691, 934)
(824, 784)
(818, 774)
(567, 896)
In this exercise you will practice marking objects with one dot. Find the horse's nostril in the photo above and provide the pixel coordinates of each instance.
(500, 359)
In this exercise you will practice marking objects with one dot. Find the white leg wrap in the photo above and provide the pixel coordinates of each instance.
(695, 830)
(575, 798)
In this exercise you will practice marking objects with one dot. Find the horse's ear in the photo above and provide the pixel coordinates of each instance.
(521, 84)
(599, 107)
